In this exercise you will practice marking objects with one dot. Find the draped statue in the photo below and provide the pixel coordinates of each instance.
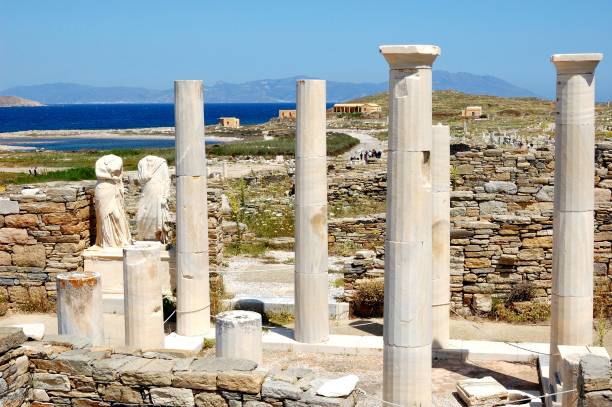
(112, 227)
(152, 215)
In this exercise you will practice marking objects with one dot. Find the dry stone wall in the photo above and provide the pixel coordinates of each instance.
(501, 215)
(66, 371)
(44, 230)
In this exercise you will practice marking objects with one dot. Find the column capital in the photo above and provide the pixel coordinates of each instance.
(410, 56)
(576, 63)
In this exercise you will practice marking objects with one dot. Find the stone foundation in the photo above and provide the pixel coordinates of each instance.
(45, 230)
(66, 371)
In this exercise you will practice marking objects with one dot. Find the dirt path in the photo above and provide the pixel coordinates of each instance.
(366, 141)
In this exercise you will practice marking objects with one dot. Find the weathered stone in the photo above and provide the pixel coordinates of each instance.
(42, 207)
(246, 382)
(595, 373)
(122, 394)
(195, 380)
(504, 187)
(481, 391)
(106, 370)
(222, 364)
(546, 194)
(493, 207)
(8, 207)
(152, 372)
(29, 256)
(205, 399)
(12, 235)
(48, 381)
(482, 302)
(280, 390)
(542, 241)
(170, 396)
(21, 221)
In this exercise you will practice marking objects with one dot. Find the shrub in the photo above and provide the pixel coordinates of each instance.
(37, 304)
(369, 297)
(522, 291)
(528, 312)
(217, 294)
(281, 318)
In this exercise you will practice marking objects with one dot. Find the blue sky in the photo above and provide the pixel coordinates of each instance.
(150, 43)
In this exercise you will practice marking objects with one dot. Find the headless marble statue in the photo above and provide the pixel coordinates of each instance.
(153, 205)
(112, 227)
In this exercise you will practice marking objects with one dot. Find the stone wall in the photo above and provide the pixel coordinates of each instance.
(42, 233)
(501, 215)
(66, 371)
(594, 381)
(44, 230)
(14, 369)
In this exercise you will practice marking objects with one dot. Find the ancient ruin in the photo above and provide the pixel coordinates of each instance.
(152, 216)
(192, 286)
(408, 261)
(112, 229)
(311, 292)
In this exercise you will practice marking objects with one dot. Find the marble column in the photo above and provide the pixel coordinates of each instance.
(311, 284)
(192, 286)
(440, 182)
(143, 310)
(238, 335)
(572, 273)
(79, 306)
(408, 247)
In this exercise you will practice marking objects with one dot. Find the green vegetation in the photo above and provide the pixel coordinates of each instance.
(523, 312)
(356, 206)
(84, 158)
(251, 248)
(72, 174)
(337, 143)
(281, 318)
(369, 297)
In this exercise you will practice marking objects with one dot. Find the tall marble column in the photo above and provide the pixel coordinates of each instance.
(408, 246)
(192, 286)
(440, 181)
(143, 309)
(79, 306)
(572, 274)
(311, 284)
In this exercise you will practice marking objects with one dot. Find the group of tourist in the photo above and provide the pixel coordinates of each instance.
(366, 155)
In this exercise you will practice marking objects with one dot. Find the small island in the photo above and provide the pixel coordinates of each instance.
(14, 101)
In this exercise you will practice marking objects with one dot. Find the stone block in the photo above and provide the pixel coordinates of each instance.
(170, 396)
(8, 207)
(48, 381)
(280, 390)
(206, 399)
(501, 187)
(5, 259)
(540, 241)
(122, 394)
(157, 372)
(195, 380)
(245, 382)
(484, 391)
(10, 338)
(13, 236)
(595, 373)
(482, 302)
(21, 221)
(29, 256)
(18, 294)
(42, 207)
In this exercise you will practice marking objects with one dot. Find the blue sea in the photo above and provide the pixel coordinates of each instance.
(117, 116)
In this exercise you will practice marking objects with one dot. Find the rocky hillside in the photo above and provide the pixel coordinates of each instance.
(13, 101)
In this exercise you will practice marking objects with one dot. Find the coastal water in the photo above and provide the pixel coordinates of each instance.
(125, 116)
(83, 143)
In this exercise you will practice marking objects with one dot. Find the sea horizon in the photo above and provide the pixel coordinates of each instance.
(120, 116)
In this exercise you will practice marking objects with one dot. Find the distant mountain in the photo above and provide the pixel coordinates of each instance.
(14, 101)
(260, 91)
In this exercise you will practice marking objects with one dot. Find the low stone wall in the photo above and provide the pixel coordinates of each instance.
(44, 230)
(14, 369)
(594, 381)
(501, 216)
(42, 234)
(65, 371)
